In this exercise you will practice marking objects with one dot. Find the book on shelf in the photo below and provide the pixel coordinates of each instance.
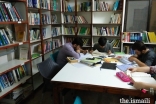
(20, 32)
(23, 53)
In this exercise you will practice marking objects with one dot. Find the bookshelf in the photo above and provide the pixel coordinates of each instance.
(128, 39)
(15, 58)
(93, 18)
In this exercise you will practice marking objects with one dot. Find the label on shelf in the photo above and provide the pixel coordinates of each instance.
(22, 64)
(19, 21)
(20, 43)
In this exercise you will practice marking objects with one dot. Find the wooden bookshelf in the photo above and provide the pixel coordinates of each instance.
(14, 38)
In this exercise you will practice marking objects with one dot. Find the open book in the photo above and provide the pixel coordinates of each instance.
(141, 77)
(91, 61)
(124, 59)
(97, 53)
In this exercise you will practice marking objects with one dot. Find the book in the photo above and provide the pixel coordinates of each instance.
(108, 66)
(20, 32)
(124, 60)
(23, 53)
(110, 60)
(124, 67)
(91, 61)
(72, 60)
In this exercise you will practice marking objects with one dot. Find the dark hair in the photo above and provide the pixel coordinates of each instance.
(139, 45)
(78, 41)
(102, 41)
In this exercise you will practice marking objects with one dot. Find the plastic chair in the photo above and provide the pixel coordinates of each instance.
(54, 56)
(48, 69)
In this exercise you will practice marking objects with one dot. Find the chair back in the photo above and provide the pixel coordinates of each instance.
(48, 68)
(54, 56)
(77, 100)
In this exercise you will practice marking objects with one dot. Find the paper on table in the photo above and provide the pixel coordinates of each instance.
(124, 67)
(137, 74)
(84, 56)
(97, 53)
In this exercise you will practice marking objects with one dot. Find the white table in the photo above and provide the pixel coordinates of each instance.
(83, 77)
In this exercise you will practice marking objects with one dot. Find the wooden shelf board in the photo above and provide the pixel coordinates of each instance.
(11, 22)
(11, 65)
(33, 41)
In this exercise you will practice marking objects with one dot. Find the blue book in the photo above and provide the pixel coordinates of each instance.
(2, 83)
(116, 5)
(124, 67)
(34, 3)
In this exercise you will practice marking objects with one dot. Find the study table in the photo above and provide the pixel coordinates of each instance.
(82, 77)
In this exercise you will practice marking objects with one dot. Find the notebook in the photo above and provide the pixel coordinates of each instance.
(108, 66)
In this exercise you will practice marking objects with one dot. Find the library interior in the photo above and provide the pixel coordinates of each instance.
(77, 51)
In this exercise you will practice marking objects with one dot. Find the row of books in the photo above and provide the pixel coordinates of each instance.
(56, 43)
(66, 7)
(83, 31)
(48, 46)
(9, 12)
(5, 37)
(33, 3)
(45, 19)
(54, 19)
(12, 77)
(115, 18)
(84, 6)
(34, 33)
(115, 42)
(147, 37)
(34, 18)
(73, 19)
(69, 30)
(105, 6)
(106, 31)
(86, 42)
(56, 31)
(45, 4)
(54, 5)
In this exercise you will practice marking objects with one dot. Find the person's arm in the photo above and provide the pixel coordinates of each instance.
(141, 64)
(140, 69)
(83, 51)
(132, 58)
(142, 85)
(71, 52)
(111, 50)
